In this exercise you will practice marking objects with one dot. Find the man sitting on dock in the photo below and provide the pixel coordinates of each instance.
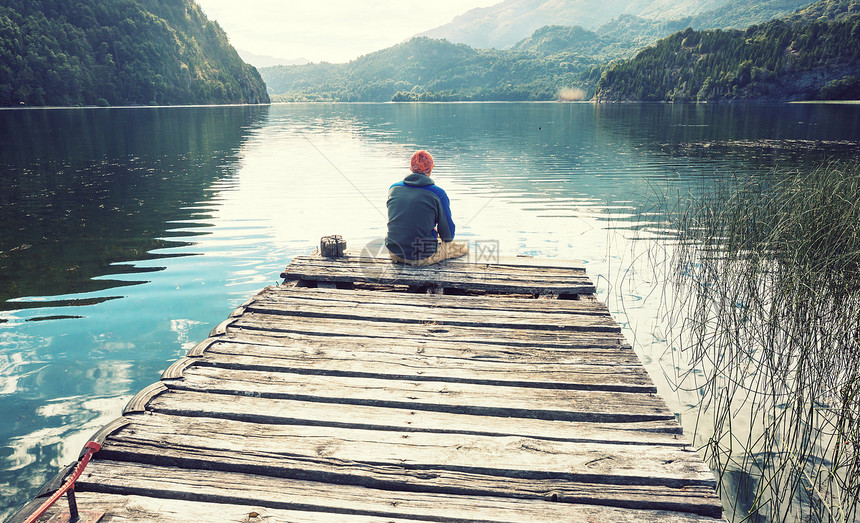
(420, 228)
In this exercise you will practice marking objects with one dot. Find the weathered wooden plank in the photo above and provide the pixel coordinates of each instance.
(560, 404)
(482, 350)
(129, 508)
(347, 500)
(296, 412)
(164, 508)
(458, 465)
(485, 278)
(508, 266)
(402, 313)
(398, 362)
(499, 303)
(395, 275)
(464, 356)
(272, 325)
(139, 401)
(442, 272)
(597, 462)
(609, 354)
(452, 354)
(356, 297)
(525, 321)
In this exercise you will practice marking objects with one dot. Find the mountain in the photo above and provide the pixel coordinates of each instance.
(812, 54)
(554, 39)
(508, 22)
(573, 44)
(740, 14)
(118, 52)
(640, 32)
(428, 69)
(832, 10)
(260, 60)
(564, 62)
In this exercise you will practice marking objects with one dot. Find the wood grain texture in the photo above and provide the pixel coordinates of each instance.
(399, 361)
(503, 456)
(495, 303)
(471, 466)
(477, 277)
(317, 401)
(169, 507)
(403, 313)
(488, 400)
(387, 479)
(314, 413)
(273, 325)
(578, 350)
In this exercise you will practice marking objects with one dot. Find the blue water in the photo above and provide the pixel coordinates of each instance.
(129, 233)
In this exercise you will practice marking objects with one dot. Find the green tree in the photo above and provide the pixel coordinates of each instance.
(76, 52)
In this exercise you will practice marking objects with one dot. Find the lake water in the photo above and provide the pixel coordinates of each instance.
(127, 234)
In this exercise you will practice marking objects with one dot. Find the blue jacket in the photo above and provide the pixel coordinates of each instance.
(418, 209)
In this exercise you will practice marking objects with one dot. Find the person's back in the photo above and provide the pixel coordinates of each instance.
(420, 227)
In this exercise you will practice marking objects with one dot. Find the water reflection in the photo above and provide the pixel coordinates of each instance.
(741, 135)
(92, 202)
(207, 205)
(84, 190)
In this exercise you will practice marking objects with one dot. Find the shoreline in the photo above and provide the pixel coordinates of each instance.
(69, 107)
(331, 102)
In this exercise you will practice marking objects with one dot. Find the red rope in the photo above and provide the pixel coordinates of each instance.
(92, 447)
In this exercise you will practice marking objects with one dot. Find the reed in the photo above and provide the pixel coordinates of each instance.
(766, 309)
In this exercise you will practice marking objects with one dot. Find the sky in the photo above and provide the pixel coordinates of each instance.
(329, 30)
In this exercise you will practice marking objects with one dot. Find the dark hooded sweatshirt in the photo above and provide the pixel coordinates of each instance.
(417, 210)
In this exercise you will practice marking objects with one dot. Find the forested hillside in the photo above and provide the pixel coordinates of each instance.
(740, 14)
(814, 54)
(639, 32)
(434, 70)
(118, 52)
(555, 39)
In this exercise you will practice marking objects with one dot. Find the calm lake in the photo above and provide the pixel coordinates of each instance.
(127, 234)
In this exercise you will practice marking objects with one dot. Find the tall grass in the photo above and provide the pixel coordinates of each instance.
(766, 307)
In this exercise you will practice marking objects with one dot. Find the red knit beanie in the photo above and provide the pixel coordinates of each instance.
(422, 162)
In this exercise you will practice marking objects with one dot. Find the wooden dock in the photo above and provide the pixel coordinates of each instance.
(360, 390)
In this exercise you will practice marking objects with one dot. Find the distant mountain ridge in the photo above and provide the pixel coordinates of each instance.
(259, 60)
(566, 62)
(508, 22)
(118, 52)
(740, 14)
(734, 14)
(644, 21)
(421, 68)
